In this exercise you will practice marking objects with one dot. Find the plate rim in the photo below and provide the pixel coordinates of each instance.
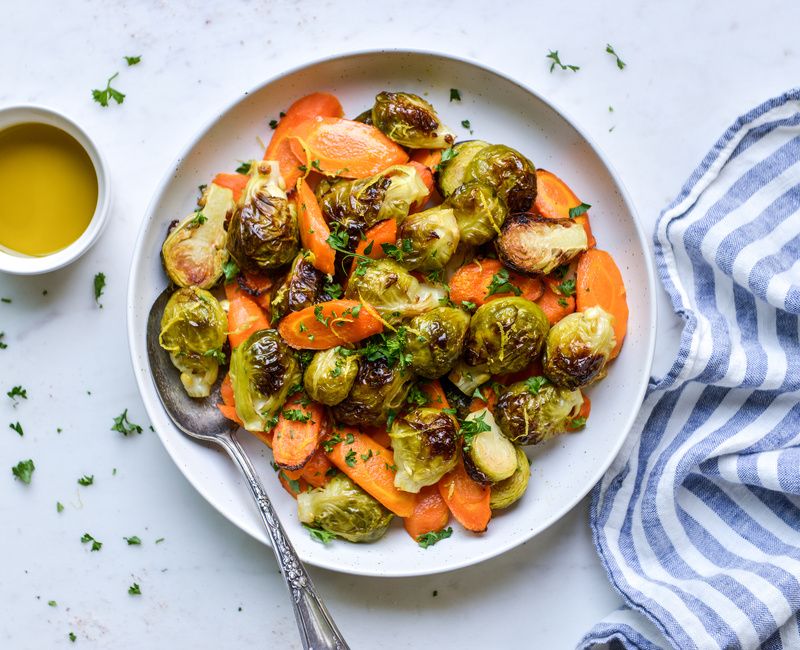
(153, 404)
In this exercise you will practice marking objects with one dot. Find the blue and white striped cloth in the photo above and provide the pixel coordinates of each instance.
(698, 520)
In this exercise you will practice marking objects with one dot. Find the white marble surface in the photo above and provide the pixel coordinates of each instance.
(691, 70)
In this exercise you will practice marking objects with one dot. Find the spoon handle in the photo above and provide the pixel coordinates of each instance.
(317, 629)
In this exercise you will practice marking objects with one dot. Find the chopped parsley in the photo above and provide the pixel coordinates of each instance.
(477, 394)
(108, 93)
(159, 540)
(52, 603)
(417, 396)
(294, 484)
(447, 154)
(3, 346)
(199, 219)
(367, 456)
(125, 426)
(16, 426)
(556, 61)
(96, 546)
(135, 590)
(392, 414)
(534, 384)
(469, 305)
(332, 289)
(243, 168)
(6, 300)
(567, 287)
(218, 355)
(429, 539)
(578, 210)
(72, 637)
(397, 252)
(319, 534)
(331, 442)
(318, 315)
(296, 415)
(350, 458)
(466, 124)
(472, 427)
(132, 60)
(23, 470)
(133, 540)
(231, 270)
(501, 283)
(391, 348)
(563, 302)
(99, 286)
(455, 95)
(59, 506)
(86, 480)
(17, 391)
(273, 124)
(578, 422)
(620, 62)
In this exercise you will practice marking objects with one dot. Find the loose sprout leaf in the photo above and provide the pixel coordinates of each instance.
(502, 284)
(429, 539)
(133, 540)
(23, 470)
(556, 61)
(578, 210)
(108, 93)
(16, 426)
(86, 480)
(319, 535)
(620, 63)
(132, 60)
(125, 426)
(455, 95)
(17, 391)
(99, 286)
(534, 384)
(135, 590)
(96, 546)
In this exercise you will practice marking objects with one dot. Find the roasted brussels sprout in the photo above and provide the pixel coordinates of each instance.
(428, 239)
(530, 412)
(467, 378)
(193, 331)
(359, 204)
(330, 375)
(263, 233)
(410, 121)
(578, 348)
(537, 245)
(489, 456)
(392, 290)
(454, 164)
(194, 251)
(377, 391)
(425, 447)
(263, 369)
(507, 492)
(345, 510)
(436, 340)
(479, 212)
(299, 288)
(510, 173)
(505, 334)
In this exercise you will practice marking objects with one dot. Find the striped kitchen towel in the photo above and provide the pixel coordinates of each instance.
(698, 520)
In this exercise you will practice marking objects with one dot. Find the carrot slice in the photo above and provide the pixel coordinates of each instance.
(428, 157)
(301, 425)
(554, 199)
(599, 283)
(316, 470)
(379, 434)
(471, 283)
(427, 177)
(370, 466)
(383, 232)
(293, 486)
(478, 404)
(466, 499)
(314, 231)
(244, 315)
(586, 408)
(257, 286)
(345, 148)
(234, 182)
(435, 393)
(279, 148)
(430, 515)
(329, 324)
(555, 305)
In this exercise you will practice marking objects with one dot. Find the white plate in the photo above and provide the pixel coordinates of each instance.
(499, 110)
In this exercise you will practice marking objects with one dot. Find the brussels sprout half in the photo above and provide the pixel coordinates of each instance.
(479, 212)
(450, 174)
(299, 288)
(505, 334)
(410, 121)
(425, 447)
(436, 340)
(194, 252)
(489, 456)
(578, 348)
(345, 510)
(263, 233)
(467, 378)
(428, 239)
(537, 245)
(263, 369)
(330, 375)
(193, 331)
(529, 414)
(509, 491)
(510, 173)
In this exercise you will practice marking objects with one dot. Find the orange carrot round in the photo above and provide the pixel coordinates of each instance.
(430, 515)
(328, 324)
(555, 305)
(296, 436)
(583, 414)
(466, 499)
(234, 182)
(599, 283)
(471, 283)
(316, 471)
(244, 315)
(554, 199)
(430, 158)
(314, 231)
(427, 177)
(383, 232)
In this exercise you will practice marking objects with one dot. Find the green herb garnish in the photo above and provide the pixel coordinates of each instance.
(429, 539)
(534, 384)
(99, 286)
(502, 284)
(578, 210)
(23, 470)
(86, 480)
(133, 540)
(319, 534)
(102, 97)
(125, 426)
(553, 56)
(134, 590)
(17, 391)
(132, 60)
(620, 62)
(16, 426)
(455, 95)
(96, 546)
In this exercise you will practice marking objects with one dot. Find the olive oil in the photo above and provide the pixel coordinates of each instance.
(48, 189)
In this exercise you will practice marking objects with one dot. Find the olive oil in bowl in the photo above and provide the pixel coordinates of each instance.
(48, 189)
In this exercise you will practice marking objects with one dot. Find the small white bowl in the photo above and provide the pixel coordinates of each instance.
(20, 264)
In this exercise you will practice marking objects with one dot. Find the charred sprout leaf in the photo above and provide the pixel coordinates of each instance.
(16, 426)
(578, 210)
(425, 447)
(301, 287)
(124, 426)
(23, 471)
(508, 172)
(132, 60)
(501, 283)
(429, 539)
(410, 121)
(429, 238)
(86, 538)
(344, 510)
(507, 492)
(553, 56)
(99, 286)
(536, 245)
(620, 63)
(437, 340)
(526, 418)
(103, 96)
(319, 534)
(330, 375)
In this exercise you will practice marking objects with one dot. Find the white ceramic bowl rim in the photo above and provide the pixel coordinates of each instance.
(644, 354)
(30, 265)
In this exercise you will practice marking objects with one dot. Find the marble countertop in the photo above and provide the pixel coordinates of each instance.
(690, 72)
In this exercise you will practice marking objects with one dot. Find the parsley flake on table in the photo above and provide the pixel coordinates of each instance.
(72, 637)
(59, 506)
(99, 286)
(133, 60)
(556, 61)
(86, 538)
(135, 590)
(125, 426)
(319, 534)
(620, 63)
(23, 470)
(466, 124)
(578, 210)
(86, 480)
(159, 540)
(3, 346)
(103, 96)
(52, 603)
(17, 391)
(6, 300)
(429, 539)
(133, 540)
(16, 426)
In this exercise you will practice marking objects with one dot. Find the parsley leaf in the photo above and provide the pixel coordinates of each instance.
(332, 289)
(134, 590)
(390, 348)
(578, 422)
(429, 539)
(350, 458)
(199, 219)
(133, 540)
(17, 391)
(294, 484)
(331, 442)
(86, 480)
(534, 384)
(102, 97)
(96, 546)
(24, 470)
(447, 154)
(417, 396)
(3, 346)
(59, 506)
(553, 56)
(620, 62)
(16, 426)
(244, 168)
(578, 210)
(99, 286)
(125, 426)
(466, 124)
(472, 427)
(469, 305)
(567, 287)
(231, 270)
(397, 252)
(132, 60)
(455, 95)
(296, 415)
(502, 284)
(72, 637)
(52, 603)
(273, 124)
(218, 355)
(319, 534)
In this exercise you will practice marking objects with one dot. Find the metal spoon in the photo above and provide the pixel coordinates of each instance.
(200, 419)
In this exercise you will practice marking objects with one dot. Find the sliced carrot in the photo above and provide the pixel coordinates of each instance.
(234, 182)
(379, 434)
(301, 425)
(466, 499)
(244, 314)
(257, 286)
(314, 231)
(279, 148)
(228, 406)
(346, 148)
(437, 399)
(554, 199)
(329, 324)
(316, 470)
(471, 283)
(428, 157)
(555, 305)
(427, 177)
(599, 283)
(370, 466)
(586, 408)
(293, 486)
(430, 515)
(478, 404)
(383, 232)
(230, 413)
